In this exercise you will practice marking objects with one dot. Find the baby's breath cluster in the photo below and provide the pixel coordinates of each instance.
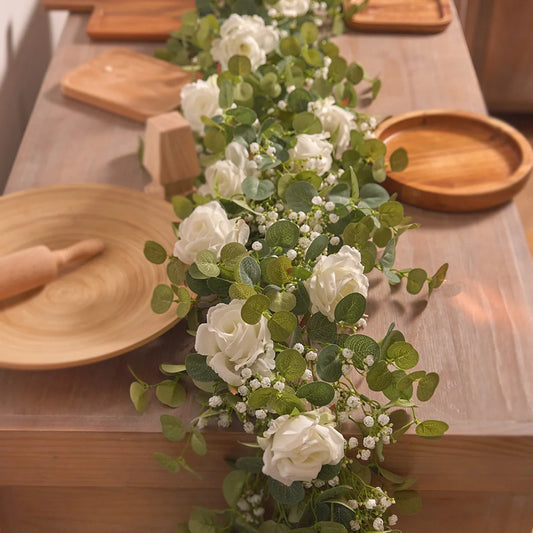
(270, 269)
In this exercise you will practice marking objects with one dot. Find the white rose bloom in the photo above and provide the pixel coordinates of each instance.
(208, 228)
(291, 8)
(336, 120)
(334, 277)
(296, 448)
(246, 36)
(314, 150)
(198, 99)
(231, 344)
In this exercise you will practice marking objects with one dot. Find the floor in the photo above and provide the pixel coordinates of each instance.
(524, 199)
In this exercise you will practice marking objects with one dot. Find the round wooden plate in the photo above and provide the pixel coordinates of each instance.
(458, 161)
(101, 308)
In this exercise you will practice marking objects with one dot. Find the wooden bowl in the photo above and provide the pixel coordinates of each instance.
(458, 161)
(101, 308)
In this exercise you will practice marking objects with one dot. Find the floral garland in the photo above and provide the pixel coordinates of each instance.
(270, 270)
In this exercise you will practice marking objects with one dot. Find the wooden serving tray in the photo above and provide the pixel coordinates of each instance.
(134, 85)
(403, 16)
(74, 6)
(144, 20)
(101, 308)
(458, 161)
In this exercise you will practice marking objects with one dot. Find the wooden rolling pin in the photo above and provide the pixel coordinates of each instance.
(36, 266)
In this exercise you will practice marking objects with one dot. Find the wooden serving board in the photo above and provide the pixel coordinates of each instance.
(458, 161)
(145, 20)
(134, 85)
(75, 6)
(403, 16)
(101, 308)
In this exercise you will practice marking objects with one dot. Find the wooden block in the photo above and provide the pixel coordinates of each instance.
(170, 152)
(130, 84)
(146, 20)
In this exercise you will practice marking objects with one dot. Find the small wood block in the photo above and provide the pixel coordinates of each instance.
(403, 16)
(146, 20)
(133, 85)
(170, 151)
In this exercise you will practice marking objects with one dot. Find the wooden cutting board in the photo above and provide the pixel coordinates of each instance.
(409, 16)
(130, 84)
(75, 6)
(146, 20)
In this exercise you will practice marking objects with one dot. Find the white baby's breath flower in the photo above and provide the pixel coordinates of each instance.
(240, 407)
(260, 414)
(370, 503)
(248, 427)
(369, 360)
(299, 347)
(365, 455)
(369, 442)
(215, 401)
(378, 524)
(383, 419)
(353, 443)
(393, 520)
(368, 421)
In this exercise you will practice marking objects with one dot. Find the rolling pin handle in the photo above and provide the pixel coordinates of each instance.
(78, 252)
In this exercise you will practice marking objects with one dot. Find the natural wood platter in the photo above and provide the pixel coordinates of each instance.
(458, 161)
(134, 85)
(403, 16)
(101, 308)
(137, 20)
(75, 6)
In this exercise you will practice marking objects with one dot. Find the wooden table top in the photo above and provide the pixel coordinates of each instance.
(476, 332)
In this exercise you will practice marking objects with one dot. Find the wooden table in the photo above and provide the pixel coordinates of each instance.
(76, 457)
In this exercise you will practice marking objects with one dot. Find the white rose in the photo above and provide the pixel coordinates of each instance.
(291, 8)
(314, 151)
(232, 345)
(246, 36)
(334, 277)
(198, 99)
(296, 447)
(208, 228)
(336, 120)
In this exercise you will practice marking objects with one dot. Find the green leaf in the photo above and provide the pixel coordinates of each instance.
(239, 66)
(154, 252)
(138, 396)
(378, 170)
(243, 115)
(198, 443)
(362, 346)
(202, 521)
(374, 148)
(257, 189)
(278, 270)
(214, 140)
(260, 398)
(253, 465)
(198, 369)
(329, 364)
(320, 329)
(170, 369)
(391, 213)
(431, 429)
(337, 69)
(354, 73)
(398, 160)
(355, 234)
(225, 97)
(173, 428)
(376, 86)
(338, 512)
(415, 280)
(283, 233)
(351, 308)
(290, 46)
(254, 307)
(388, 258)
(183, 207)
(408, 501)
(306, 122)
(316, 248)
(162, 299)
(427, 386)
(171, 393)
(281, 325)
(273, 527)
(382, 236)
(281, 301)
(373, 195)
(241, 291)
(379, 377)
(167, 462)
(299, 196)
(438, 278)
(231, 252)
(403, 354)
(309, 32)
(286, 494)
(176, 271)
(334, 492)
(318, 393)
(233, 486)
(290, 364)
(206, 261)
(249, 271)
(302, 300)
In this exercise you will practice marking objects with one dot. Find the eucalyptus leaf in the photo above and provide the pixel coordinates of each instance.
(398, 160)
(173, 428)
(171, 393)
(427, 386)
(162, 299)
(329, 364)
(254, 307)
(281, 325)
(318, 393)
(291, 364)
(138, 396)
(154, 252)
(233, 486)
(286, 494)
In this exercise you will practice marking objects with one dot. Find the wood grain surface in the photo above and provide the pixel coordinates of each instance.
(75, 6)
(403, 16)
(137, 20)
(476, 331)
(99, 309)
(458, 161)
(137, 86)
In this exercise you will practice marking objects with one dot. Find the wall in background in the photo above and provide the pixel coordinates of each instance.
(28, 36)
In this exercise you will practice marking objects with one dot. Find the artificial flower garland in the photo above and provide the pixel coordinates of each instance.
(270, 270)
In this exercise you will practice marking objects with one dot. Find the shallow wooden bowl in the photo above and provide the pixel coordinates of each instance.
(403, 16)
(458, 161)
(101, 308)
